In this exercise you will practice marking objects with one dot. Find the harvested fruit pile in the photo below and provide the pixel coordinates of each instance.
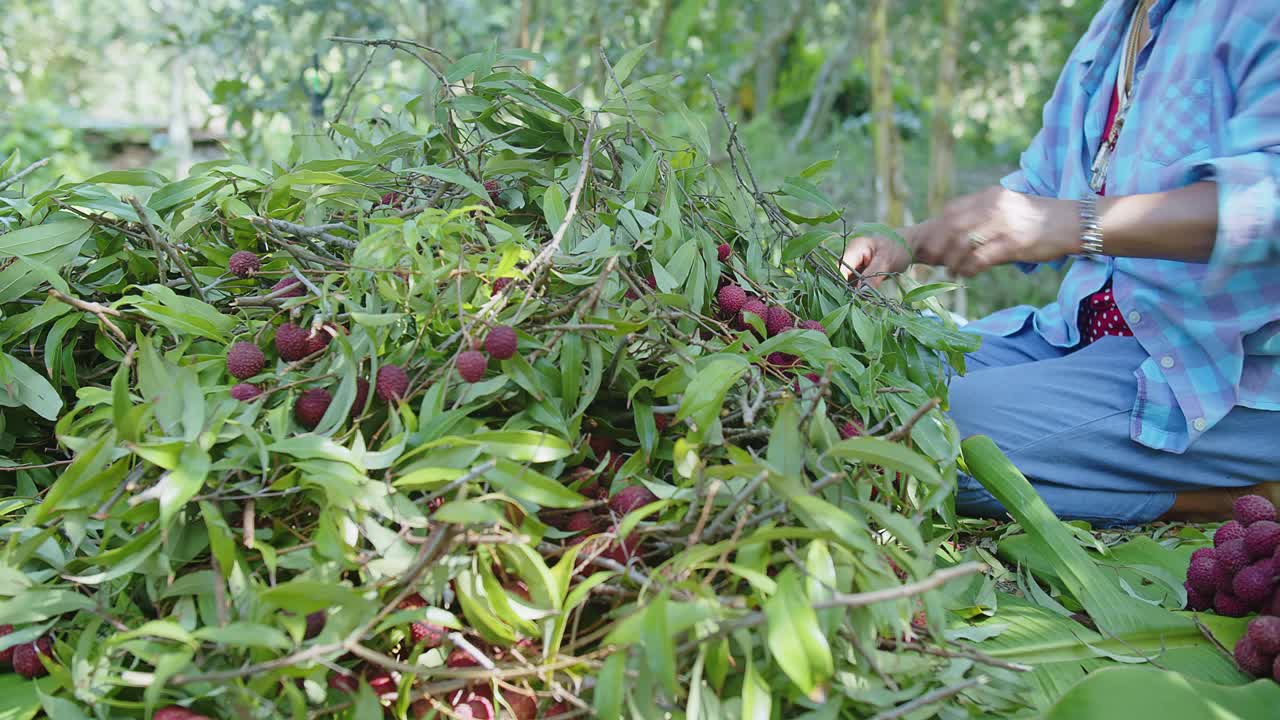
(1240, 575)
(533, 413)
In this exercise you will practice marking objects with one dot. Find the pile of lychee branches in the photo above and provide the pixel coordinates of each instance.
(523, 409)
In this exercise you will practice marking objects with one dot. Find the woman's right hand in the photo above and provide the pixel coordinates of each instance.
(872, 257)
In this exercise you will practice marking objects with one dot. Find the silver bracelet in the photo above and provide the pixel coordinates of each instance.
(1090, 229)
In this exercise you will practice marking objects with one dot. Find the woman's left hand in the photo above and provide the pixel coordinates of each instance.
(997, 226)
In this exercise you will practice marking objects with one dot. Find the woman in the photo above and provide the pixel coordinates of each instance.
(1149, 389)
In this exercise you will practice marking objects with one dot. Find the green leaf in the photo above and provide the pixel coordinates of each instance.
(786, 447)
(1141, 693)
(455, 176)
(658, 643)
(705, 395)
(757, 703)
(794, 637)
(527, 484)
(610, 689)
(522, 445)
(887, 454)
(180, 192)
(40, 239)
(244, 634)
(622, 70)
(801, 245)
(20, 386)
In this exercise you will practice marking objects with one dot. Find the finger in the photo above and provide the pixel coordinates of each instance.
(982, 258)
(856, 257)
(956, 249)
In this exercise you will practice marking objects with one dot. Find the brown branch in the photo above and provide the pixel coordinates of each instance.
(543, 258)
(158, 244)
(23, 173)
(930, 698)
(99, 310)
(905, 429)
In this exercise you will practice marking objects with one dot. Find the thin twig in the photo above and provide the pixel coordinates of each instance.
(160, 243)
(23, 173)
(905, 429)
(99, 310)
(318, 232)
(544, 257)
(930, 698)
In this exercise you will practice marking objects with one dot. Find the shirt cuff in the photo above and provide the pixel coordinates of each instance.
(1248, 211)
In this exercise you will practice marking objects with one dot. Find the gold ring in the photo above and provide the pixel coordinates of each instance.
(976, 240)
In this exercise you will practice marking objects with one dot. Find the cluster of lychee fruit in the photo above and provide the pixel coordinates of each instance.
(736, 305)
(500, 344)
(26, 659)
(1239, 575)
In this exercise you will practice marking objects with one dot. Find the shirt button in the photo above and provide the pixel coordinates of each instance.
(1166, 362)
(1199, 424)
(1135, 317)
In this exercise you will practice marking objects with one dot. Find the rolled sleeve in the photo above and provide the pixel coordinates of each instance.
(1247, 170)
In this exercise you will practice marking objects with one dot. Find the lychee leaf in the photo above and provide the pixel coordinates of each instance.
(705, 395)
(876, 451)
(524, 483)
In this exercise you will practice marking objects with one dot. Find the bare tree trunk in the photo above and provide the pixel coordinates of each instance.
(890, 202)
(521, 39)
(660, 27)
(942, 142)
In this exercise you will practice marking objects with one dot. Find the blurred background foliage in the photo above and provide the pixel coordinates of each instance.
(164, 83)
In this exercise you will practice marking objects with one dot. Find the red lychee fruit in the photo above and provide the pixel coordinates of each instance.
(26, 658)
(292, 342)
(1250, 509)
(428, 635)
(1251, 660)
(362, 397)
(631, 498)
(813, 325)
(1253, 584)
(477, 708)
(501, 284)
(381, 682)
(392, 199)
(501, 342)
(1230, 530)
(244, 360)
(651, 281)
(1261, 538)
(311, 406)
(661, 421)
(245, 392)
(1197, 600)
(471, 365)
(723, 252)
(317, 340)
(290, 285)
(753, 306)
(1224, 603)
(1264, 633)
(1275, 670)
(523, 706)
(177, 712)
(343, 682)
(315, 624)
(851, 428)
(581, 521)
(556, 710)
(1232, 557)
(6, 655)
(622, 551)
(1202, 573)
(782, 360)
(243, 263)
(459, 658)
(392, 383)
(494, 189)
(601, 445)
(777, 320)
(1202, 552)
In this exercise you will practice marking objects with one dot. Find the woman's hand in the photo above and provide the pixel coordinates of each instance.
(997, 226)
(872, 257)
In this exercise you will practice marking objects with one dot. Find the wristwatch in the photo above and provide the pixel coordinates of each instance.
(1090, 229)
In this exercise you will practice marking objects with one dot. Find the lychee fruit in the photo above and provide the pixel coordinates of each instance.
(1253, 584)
(1197, 600)
(6, 655)
(1250, 659)
(731, 299)
(851, 428)
(1250, 509)
(459, 658)
(1262, 538)
(245, 392)
(381, 682)
(621, 551)
(601, 445)
(243, 263)
(315, 624)
(723, 252)
(311, 406)
(501, 342)
(177, 712)
(782, 360)
(290, 285)
(471, 365)
(523, 705)
(631, 498)
(392, 199)
(661, 421)
(777, 320)
(1232, 557)
(392, 383)
(362, 397)
(1202, 552)
(581, 521)
(244, 360)
(1275, 669)
(1264, 633)
(753, 306)
(494, 189)
(476, 708)
(651, 281)
(1229, 530)
(292, 342)
(318, 340)
(556, 710)
(813, 325)
(428, 635)
(1202, 573)
(26, 658)
(501, 284)
(343, 682)
(1224, 603)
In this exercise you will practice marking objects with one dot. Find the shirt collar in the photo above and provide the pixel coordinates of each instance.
(1109, 40)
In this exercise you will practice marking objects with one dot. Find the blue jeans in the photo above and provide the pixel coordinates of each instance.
(1062, 417)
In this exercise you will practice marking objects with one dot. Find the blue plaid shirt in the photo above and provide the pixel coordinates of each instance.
(1206, 107)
